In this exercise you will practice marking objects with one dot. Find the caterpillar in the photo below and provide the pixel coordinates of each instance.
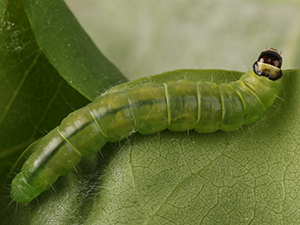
(177, 105)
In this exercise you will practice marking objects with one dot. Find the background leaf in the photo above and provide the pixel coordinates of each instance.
(69, 49)
(245, 177)
(34, 98)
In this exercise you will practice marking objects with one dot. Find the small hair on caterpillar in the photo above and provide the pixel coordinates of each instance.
(149, 108)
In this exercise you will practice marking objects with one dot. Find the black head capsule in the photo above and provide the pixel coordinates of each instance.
(268, 64)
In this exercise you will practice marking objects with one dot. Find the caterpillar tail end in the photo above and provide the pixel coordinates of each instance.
(21, 191)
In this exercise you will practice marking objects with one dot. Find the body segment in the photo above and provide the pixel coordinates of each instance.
(177, 106)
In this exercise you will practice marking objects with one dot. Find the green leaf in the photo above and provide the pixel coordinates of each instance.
(34, 97)
(250, 176)
(185, 178)
(69, 49)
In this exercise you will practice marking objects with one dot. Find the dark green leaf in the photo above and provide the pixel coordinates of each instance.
(69, 49)
(34, 98)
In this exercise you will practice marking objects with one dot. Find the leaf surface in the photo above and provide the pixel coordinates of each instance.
(34, 97)
(69, 49)
(250, 176)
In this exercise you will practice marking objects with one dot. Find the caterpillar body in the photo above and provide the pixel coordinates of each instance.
(150, 108)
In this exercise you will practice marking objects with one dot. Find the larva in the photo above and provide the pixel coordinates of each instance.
(177, 106)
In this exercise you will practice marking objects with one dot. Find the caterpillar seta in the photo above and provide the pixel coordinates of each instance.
(149, 108)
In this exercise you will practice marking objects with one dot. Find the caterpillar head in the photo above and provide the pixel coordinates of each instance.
(268, 64)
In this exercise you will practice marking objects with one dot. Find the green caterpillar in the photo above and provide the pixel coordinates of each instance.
(150, 108)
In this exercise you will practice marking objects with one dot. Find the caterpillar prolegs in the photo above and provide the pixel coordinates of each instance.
(150, 108)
